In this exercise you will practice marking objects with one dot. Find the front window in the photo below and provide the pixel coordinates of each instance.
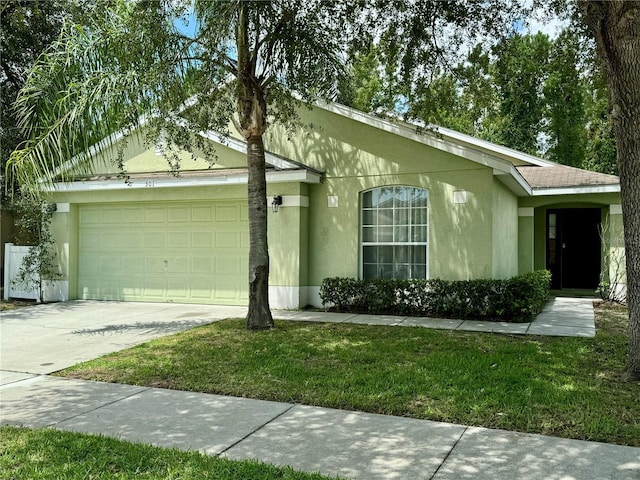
(394, 232)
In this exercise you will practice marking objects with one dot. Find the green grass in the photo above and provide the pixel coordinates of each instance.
(49, 454)
(568, 387)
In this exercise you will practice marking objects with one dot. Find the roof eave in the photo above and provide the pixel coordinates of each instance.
(431, 132)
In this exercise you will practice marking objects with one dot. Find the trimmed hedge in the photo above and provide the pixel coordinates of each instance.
(516, 299)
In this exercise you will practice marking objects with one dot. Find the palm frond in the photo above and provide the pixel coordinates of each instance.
(89, 85)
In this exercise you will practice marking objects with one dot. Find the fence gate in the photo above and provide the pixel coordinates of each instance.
(13, 256)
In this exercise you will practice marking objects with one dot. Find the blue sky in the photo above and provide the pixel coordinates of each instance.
(188, 26)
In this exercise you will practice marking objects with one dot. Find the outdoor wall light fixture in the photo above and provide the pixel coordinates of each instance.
(275, 204)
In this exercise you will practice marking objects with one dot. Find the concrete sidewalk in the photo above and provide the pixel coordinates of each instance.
(334, 442)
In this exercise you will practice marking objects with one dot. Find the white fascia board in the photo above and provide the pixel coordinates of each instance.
(543, 192)
(493, 147)
(287, 176)
(514, 181)
(521, 180)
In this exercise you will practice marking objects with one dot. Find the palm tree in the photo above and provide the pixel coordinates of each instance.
(250, 63)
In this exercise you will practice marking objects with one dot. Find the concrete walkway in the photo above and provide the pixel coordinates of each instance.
(334, 442)
(566, 317)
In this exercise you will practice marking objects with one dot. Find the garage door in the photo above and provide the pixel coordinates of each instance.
(171, 252)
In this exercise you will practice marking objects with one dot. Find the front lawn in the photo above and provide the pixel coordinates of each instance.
(49, 454)
(567, 387)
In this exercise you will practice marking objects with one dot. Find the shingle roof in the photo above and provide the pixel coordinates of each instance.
(559, 176)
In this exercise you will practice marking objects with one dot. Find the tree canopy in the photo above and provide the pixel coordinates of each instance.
(544, 96)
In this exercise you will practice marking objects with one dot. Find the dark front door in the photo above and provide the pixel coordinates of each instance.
(573, 247)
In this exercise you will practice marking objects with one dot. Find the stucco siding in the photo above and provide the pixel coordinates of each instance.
(474, 227)
(356, 157)
(614, 254)
(526, 242)
(139, 157)
(459, 240)
(341, 147)
(504, 232)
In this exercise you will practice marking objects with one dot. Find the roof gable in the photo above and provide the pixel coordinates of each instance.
(523, 174)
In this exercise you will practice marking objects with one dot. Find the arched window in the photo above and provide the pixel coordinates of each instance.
(394, 232)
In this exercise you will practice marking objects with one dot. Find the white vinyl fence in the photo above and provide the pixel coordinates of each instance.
(54, 291)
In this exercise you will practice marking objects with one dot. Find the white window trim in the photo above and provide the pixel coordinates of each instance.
(362, 244)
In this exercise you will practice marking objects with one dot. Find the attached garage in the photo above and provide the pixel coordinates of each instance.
(183, 252)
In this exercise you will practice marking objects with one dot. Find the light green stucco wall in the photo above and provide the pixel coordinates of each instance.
(287, 233)
(505, 231)
(481, 238)
(616, 258)
(141, 158)
(526, 242)
(61, 229)
(310, 244)
(356, 157)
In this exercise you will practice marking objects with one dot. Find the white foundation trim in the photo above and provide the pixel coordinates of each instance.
(287, 297)
(56, 290)
(281, 176)
(313, 296)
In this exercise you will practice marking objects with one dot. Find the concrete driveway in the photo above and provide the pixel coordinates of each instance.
(47, 338)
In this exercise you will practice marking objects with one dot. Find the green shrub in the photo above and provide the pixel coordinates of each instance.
(517, 299)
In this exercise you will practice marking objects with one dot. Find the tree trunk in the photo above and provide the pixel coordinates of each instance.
(259, 315)
(616, 28)
(251, 124)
